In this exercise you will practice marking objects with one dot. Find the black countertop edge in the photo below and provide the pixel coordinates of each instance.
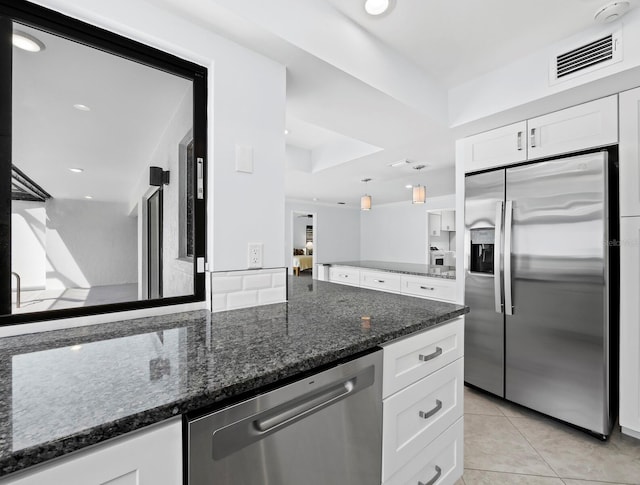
(29, 457)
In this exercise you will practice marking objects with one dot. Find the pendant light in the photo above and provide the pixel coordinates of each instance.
(365, 200)
(419, 194)
(419, 191)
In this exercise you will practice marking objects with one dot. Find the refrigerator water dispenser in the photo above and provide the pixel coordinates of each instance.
(482, 241)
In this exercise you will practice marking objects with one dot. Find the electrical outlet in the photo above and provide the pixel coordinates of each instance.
(255, 255)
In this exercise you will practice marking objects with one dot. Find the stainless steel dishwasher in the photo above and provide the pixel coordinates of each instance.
(324, 429)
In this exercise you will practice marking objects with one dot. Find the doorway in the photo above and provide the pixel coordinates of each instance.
(304, 236)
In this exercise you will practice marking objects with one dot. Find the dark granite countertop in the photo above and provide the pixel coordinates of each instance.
(447, 272)
(63, 390)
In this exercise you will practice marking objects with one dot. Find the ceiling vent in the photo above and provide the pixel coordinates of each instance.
(586, 58)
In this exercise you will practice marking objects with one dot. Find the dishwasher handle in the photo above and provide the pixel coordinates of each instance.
(242, 433)
(310, 406)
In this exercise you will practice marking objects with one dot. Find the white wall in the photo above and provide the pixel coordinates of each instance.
(525, 85)
(246, 107)
(398, 232)
(337, 231)
(90, 243)
(28, 256)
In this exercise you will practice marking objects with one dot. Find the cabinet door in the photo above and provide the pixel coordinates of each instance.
(630, 325)
(147, 457)
(630, 153)
(434, 224)
(580, 127)
(495, 148)
(448, 221)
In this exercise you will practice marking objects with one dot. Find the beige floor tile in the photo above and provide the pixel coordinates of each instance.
(513, 410)
(587, 482)
(492, 443)
(460, 482)
(476, 402)
(574, 454)
(480, 477)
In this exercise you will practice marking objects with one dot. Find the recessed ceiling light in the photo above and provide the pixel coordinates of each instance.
(286, 132)
(82, 107)
(27, 42)
(88, 197)
(376, 7)
(408, 186)
(401, 163)
(76, 170)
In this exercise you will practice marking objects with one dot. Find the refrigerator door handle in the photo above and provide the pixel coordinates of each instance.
(508, 223)
(497, 287)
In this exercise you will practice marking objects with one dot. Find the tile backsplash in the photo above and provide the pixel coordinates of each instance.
(241, 289)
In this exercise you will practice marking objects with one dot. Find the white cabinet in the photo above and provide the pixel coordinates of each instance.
(434, 224)
(630, 153)
(425, 287)
(494, 148)
(380, 280)
(345, 275)
(630, 326)
(580, 127)
(422, 407)
(448, 221)
(630, 262)
(412, 285)
(152, 456)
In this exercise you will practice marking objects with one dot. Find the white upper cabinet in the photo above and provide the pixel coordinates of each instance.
(580, 127)
(448, 221)
(434, 224)
(630, 153)
(495, 148)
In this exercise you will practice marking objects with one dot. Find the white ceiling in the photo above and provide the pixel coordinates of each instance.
(374, 87)
(383, 80)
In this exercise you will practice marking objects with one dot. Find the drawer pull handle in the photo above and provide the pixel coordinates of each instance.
(343, 275)
(379, 281)
(519, 141)
(436, 353)
(427, 288)
(436, 408)
(434, 479)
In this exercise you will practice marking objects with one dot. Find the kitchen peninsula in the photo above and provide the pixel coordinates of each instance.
(68, 389)
(422, 280)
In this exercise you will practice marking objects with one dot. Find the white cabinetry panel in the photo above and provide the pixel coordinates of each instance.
(630, 325)
(436, 288)
(380, 280)
(418, 414)
(152, 456)
(494, 148)
(580, 127)
(439, 463)
(630, 153)
(345, 275)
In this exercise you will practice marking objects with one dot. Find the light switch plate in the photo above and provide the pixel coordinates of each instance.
(244, 159)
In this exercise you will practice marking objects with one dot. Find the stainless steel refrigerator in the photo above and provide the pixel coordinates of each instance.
(537, 281)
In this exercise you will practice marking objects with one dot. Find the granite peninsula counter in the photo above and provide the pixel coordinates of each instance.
(64, 390)
(431, 271)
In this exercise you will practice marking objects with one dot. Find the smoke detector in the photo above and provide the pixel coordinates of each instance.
(612, 12)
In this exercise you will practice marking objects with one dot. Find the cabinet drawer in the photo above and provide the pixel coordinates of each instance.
(442, 459)
(412, 358)
(437, 288)
(344, 275)
(417, 415)
(380, 280)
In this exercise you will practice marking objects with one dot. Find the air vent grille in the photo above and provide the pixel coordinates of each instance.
(596, 52)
